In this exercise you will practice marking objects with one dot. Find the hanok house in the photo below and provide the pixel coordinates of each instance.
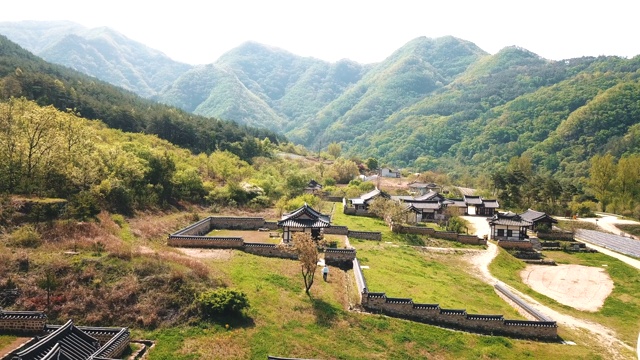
(305, 219)
(313, 187)
(362, 203)
(68, 342)
(474, 205)
(539, 219)
(424, 211)
(508, 226)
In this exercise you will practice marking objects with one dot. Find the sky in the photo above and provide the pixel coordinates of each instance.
(198, 32)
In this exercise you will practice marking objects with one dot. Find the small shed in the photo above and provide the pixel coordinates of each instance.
(539, 219)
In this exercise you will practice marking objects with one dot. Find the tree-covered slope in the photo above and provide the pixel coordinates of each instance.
(23, 74)
(408, 75)
(100, 52)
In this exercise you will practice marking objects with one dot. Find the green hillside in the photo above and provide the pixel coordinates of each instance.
(23, 74)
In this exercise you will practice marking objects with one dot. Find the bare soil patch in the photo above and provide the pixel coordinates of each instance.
(584, 288)
(218, 254)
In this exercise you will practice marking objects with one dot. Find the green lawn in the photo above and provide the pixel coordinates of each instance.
(283, 321)
(621, 310)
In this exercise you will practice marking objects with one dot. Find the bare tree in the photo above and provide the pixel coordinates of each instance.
(307, 250)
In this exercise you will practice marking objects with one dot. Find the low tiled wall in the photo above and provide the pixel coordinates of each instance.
(459, 319)
(269, 250)
(342, 258)
(237, 223)
(24, 322)
(336, 230)
(206, 242)
(367, 235)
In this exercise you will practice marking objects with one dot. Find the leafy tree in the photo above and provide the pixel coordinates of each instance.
(391, 211)
(343, 170)
(372, 164)
(334, 149)
(601, 174)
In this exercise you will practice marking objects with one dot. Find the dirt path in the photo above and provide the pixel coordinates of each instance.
(607, 336)
(12, 346)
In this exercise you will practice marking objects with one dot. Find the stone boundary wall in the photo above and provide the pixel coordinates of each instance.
(447, 235)
(459, 319)
(332, 198)
(23, 322)
(366, 235)
(236, 223)
(198, 228)
(515, 244)
(268, 250)
(336, 230)
(555, 235)
(342, 258)
(360, 280)
(271, 225)
(229, 242)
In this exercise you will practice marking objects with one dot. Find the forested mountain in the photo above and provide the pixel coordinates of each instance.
(100, 52)
(433, 104)
(24, 75)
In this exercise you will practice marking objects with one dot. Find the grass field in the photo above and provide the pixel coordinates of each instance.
(283, 321)
(621, 310)
(629, 228)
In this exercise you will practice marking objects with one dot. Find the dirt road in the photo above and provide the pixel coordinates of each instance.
(481, 261)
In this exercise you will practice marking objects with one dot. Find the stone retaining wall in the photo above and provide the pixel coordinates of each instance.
(447, 235)
(555, 235)
(459, 319)
(515, 244)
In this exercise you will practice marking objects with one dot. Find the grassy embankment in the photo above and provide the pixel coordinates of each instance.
(621, 310)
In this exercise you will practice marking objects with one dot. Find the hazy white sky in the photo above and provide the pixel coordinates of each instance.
(198, 32)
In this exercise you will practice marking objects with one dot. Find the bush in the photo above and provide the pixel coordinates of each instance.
(26, 236)
(221, 302)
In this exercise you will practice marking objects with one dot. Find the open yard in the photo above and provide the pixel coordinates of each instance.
(581, 287)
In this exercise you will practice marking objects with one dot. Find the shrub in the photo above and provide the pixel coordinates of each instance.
(221, 302)
(26, 236)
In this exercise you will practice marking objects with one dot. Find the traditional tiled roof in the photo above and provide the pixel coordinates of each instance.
(431, 195)
(313, 185)
(67, 342)
(304, 217)
(490, 204)
(472, 200)
(427, 205)
(365, 198)
(458, 203)
(535, 216)
(508, 219)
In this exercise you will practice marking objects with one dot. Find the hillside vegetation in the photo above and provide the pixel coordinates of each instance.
(434, 104)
